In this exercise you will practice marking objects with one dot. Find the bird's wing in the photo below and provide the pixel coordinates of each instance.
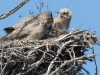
(24, 22)
(21, 24)
(9, 29)
(24, 30)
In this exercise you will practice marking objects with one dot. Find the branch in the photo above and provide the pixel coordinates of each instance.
(13, 10)
(82, 57)
(59, 51)
(95, 64)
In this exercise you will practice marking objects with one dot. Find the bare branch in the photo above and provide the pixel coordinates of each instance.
(95, 64)
(13, 10)
(82, 57)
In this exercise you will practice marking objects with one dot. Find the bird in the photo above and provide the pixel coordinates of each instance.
(31, 28)
(62, 22)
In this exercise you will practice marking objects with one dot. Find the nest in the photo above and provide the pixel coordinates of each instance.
(63, 55)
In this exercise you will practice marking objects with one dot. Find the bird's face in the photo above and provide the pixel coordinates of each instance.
(65, 13)
(51, 31)
(46, 19)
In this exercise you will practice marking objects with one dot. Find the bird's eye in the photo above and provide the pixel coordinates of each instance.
(67, 13)
(64, 12)
(50, 20)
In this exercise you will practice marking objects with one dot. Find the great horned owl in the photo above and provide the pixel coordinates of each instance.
(62, 22)
(31, 28)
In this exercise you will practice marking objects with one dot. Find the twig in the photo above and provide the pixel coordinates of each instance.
(59, 51)
(35, 65)
(2, 71)
(62, 38)
(71, 58)
(92, 55)
(95, 64)
(84, 36)
(13, 10)
(86, 70)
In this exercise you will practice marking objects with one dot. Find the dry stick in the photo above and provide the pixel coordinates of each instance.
(44, 52)
(13, 10)
(69, 35)
(59, 51)
(95, 64)
(71, 58)
(2, 71)
(62, 65)
(36, 64)
(86, 70)
(1, 61)
(90, 45)
(73, 55)
(70, 54)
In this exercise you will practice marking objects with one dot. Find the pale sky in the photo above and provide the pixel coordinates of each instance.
(85, 15)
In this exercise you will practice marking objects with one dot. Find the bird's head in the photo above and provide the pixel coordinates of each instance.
(46, 19)
(65, 13)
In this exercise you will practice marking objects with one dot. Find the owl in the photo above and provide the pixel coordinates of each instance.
(31, 28)
(62, 22)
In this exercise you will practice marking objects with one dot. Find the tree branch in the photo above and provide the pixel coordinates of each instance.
(82, 57)
(13, 10)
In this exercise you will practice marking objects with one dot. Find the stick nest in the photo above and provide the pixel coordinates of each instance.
(52, 56)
